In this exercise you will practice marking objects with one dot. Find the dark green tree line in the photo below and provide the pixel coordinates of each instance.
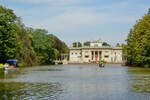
(9, 46)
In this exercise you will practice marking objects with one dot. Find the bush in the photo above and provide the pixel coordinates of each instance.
(60, 63)
(1, 66)
(22, 64)
(146, 66)
(103, 61)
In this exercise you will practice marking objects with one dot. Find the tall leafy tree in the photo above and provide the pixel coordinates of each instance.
(9, 46)
(138, 43)
(27, 44)
(27, 54)
(47, 46)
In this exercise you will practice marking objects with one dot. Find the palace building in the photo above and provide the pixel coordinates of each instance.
(95, 52)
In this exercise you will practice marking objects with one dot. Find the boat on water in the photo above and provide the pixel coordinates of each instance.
(101, 63)
(11, 64)
(7, 68)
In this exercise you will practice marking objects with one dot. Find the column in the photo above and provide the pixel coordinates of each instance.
(98, 56)
(94, 55)
(102, 55)
(91, 55)
(82, 56)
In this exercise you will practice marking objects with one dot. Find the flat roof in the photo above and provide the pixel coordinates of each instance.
(91, 47)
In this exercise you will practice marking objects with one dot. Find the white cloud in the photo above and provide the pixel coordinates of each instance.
(70, 21)
(51, 1)
(75, 18)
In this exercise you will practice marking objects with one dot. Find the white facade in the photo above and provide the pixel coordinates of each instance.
(94, 53)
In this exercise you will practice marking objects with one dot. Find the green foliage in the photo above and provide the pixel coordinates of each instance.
(8, 35)
(47, 46)
(22, 64)
(77, 44)
(28, 45)
(14, 40)
(27, 54)
(138, 43)
(118, 45)
(103, 61)
(106, 44)
(53, 54)
(87, 43)
(1, 66)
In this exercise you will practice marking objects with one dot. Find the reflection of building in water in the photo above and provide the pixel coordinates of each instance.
(95, 52)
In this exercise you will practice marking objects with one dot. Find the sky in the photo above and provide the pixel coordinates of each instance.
(81, 20)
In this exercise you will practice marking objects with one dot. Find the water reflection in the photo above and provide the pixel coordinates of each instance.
(26, 91)
(2, 74)
(139, 79)
(76, 82)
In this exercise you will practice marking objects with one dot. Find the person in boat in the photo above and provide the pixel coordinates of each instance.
(101, 63)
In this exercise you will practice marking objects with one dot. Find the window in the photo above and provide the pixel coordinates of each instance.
(96, 53)
(106, 56)
(86, 56)
(92, 55)
(92, 52)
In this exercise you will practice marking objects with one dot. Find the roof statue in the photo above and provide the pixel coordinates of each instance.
(96, 41)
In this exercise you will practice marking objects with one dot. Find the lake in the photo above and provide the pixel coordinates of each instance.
(75, 82)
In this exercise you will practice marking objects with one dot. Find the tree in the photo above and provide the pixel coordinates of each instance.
(106, 44)
(87, 43)
(53, 54)
(149, 11)
(8, 35)
(47, 46)
(27, 54)
(118, 45)
(27, 44)
(77, 44)
(138, 43)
